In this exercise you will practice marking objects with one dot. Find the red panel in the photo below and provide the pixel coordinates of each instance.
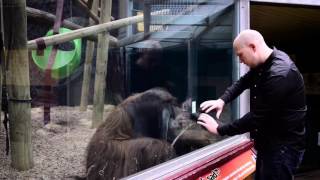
(237, 168)
(224, 162)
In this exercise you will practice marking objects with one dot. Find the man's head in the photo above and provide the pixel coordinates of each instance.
(251, 48)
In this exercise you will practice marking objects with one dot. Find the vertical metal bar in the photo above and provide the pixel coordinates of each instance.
(162, 5)
(244, 23)
(1, 18)
(1, 57)
(167, 12)
(146, 16)
(235, 105)
(2, 42)
(190, 78)
(192, 69)
(127, 52)
(129, 27)
(123, 13)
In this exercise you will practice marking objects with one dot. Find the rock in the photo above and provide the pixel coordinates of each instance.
(55, 128)
(85, 122)
(42, 132)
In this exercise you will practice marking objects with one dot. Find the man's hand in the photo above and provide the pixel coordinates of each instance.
(208, 122)
(208, 106)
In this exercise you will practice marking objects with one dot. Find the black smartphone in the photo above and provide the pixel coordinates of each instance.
(196, 111)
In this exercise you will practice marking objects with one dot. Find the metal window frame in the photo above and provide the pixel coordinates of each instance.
(187, 166)
(243, 22)
(291, 2)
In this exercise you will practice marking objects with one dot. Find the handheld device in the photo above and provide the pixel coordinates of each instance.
(196, 112)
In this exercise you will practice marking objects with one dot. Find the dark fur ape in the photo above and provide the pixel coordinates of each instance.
(125, 143)
(147, 112)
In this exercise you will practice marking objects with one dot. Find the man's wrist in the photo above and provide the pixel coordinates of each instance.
(223, 98)
(218, 133)
(220, 130)
(221, 101)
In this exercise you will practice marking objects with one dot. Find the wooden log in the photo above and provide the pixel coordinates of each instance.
(88, 31)
(50, 18)
(90, 4)
(18, 83)
(88, 65)
(92, 14)
(101, 66)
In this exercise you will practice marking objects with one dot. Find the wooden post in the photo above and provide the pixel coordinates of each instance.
(88, 64)
(18, 83)
(101, 66)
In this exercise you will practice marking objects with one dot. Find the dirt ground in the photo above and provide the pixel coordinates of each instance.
(58, 148)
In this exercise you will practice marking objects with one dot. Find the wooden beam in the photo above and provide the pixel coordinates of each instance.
(88, 65)
(101, 67)
(50, 18)
(88, 31)
(18, 83)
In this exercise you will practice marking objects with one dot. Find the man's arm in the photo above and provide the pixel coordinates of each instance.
(231, 93)
(276, 91)
(237, 88)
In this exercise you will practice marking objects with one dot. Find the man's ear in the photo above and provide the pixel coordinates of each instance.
(253, 47)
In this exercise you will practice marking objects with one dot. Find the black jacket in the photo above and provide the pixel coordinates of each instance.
(277, 104)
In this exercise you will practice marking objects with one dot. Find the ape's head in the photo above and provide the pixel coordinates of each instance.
(151, 112)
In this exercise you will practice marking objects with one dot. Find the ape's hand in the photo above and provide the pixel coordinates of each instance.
(208, 106)
(208, 122)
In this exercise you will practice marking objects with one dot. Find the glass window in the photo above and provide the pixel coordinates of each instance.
(112, 104)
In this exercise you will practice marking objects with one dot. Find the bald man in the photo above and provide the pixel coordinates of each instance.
(277, 107)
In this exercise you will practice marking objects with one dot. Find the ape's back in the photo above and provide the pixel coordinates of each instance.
(115, 152)
(127, 157)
